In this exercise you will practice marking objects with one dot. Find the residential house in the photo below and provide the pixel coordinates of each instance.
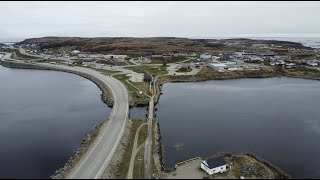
(184, 67)
(214, 165)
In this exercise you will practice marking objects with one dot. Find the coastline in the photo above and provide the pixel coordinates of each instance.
(208, 75)
(195, 78)
(106, 97)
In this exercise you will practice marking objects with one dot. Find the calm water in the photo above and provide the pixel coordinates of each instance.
(138, 113)
(277, 119)
(44, 115)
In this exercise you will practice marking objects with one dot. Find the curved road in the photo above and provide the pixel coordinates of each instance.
(98, 156)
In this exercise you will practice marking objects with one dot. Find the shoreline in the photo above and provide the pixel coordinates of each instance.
(106, 98)
(88, 140)
(159, 146)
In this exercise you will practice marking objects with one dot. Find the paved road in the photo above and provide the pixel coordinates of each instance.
(97, 158)
(148, 144)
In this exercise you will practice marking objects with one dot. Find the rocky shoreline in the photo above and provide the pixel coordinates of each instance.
(106, 97)
(76, 156)
(281, 174)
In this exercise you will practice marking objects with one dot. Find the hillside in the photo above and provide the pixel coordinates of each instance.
(149, 46)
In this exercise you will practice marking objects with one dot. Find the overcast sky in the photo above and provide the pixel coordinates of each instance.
(147, 19)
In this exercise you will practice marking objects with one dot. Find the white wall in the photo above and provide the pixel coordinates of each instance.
(219, 169)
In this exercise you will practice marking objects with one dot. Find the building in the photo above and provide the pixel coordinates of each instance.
(147, 77)
(184, 67)
(205, 56)
(218, 66)
(226, 56)
(215, 58)
(214, 165)
(312, 64)
(237, 61)
(75, 52)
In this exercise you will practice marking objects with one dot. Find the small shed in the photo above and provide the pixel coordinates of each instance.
(214, 165)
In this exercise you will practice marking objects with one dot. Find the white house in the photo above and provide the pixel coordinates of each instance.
(205, 56)
(214, 165)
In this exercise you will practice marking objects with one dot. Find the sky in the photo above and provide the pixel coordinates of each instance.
(20, 20)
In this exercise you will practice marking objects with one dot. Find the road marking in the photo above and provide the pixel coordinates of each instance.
(111, 118)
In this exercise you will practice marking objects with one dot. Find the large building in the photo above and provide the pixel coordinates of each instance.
(218, 66)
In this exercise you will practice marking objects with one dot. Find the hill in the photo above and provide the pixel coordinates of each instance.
(148, 46)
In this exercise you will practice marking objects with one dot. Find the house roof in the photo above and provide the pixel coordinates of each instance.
(215, 162)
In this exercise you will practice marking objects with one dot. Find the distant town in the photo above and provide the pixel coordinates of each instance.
(258, 56)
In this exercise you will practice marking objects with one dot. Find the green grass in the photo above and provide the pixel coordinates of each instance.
(124, 165)
(129, 63)
(158, 70)
(113, 63)
(138, 168)
(136, 98)
(18, 55)
(304, 73)
(144, 86)
(103, 71)
(188, 70)
(143, 134)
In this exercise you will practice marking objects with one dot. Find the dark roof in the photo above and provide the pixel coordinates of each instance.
(215, 162)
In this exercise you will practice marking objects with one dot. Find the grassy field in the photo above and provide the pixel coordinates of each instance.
(18, 55)
(135, 97)
(159, 70)
(207, 73)
(126, 162)
(114, 63)
(144, 86)
(138, 168)
(156, 61)
(188, 70)
(104, 71)
(304, 73)
(143, 135)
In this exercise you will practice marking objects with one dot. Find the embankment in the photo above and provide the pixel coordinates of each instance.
(106, 95)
